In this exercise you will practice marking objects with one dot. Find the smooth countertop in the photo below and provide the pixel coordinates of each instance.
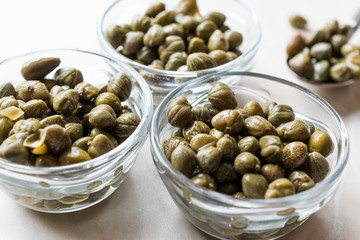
(141, 208)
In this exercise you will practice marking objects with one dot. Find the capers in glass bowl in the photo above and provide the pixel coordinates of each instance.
(266, 167)
(60, 138)
(186, 27)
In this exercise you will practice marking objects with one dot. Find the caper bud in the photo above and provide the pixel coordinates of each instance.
(340, 72)
(219, 56)
(102, 116)
(120, 84)
(254, 108)
(217, 41)
(225, 172)
(146, 55)
(87, 92)
(267, 106)
(301, 64)
(7, 89)
(296, 130)
(169, 46)
(68, 76)
(35, 109)
(222, 97)
(184, 159)
(209, 158)
(301, 181)
(133, 42)
(73, 155)
(280, 187)
(154, 36)
(280, 114)
(321, 51)
(165, 17)
(316, 166)
(247, 162)
(258, 126)
(66, 101)
(96, 131)
(272, 172)
(140, 23)
(271, 148)
(294, 155)
(179, 112)
(352, 60)
(110, 99)
(115, 35)
(229, 188)
(195, 128)
(75, 130)
(295, 45)
(175, 61)
(321, 71)
(99, 145)
(30, 125)
(83, 108)
(249, 144)
(126, 124)
(189, 23)
(197, 44)
(217, 17)
(348, 48)
(204, 180)
(174, 29)
(170, 144)
(205, 29)
(33, 90)
(297, 21)
(13, 150)
(202, 140)
(216, 133)
(187, 8)
(337, 41)
(5, 127)
(56, 139)
(323, 35)
(234, 38)
(82, 143)
(199, 61)
(154, 9)
(228, 146)
(320, 141)
(46, 160)
(37, 69)
(204, 113)
(228, 121)
(254, 185)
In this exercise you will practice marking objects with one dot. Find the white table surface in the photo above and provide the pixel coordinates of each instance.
(141, 208)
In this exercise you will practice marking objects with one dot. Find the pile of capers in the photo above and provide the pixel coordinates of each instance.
(59, 120)
(258, 151)
(324, 55)
(176, 40)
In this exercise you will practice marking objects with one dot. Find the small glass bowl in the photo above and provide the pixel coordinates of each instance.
(73, 187)
(239, 17)
(222, 215)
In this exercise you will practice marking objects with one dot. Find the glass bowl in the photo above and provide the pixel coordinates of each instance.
(78, 186)
(222, 215)
(239, 18)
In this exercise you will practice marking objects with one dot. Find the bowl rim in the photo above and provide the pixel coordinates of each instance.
(323, 186)
(106, 46)
(129, 143)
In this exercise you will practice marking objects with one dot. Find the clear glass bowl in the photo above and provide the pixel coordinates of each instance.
(239, 18)
(78, 186)
(224, 216)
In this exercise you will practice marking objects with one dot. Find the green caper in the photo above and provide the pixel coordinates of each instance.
(179, 112)
(229, 188)
(110, 99)
(254, 108)
(184, 159)
(35, 109)
(126, 124)
(30, 125)
(297, 21)
(337, 41)
(321, 51)
(296, 130)
(348, 48)
(228, 121)
(321, 71)
(205, 29)
(234, 38)
(170, 144)
(115, 35)
(217, 17)
(99, 145)
(280, 187)
(36, 69)
(56, 139)
(187, 8)
(254, 185)
(5, 127)
(195, 128)
(169, 46)
(294, 155)
(222, 97)
(82, 143)
(197, 44)
(66, 101)
(146, 54)
(267, 106)
(352, 60)
(202, 140)
(75, 130)
(73, 155)
(176, 60)
(165, 17)
(216, 133)
(301, 64)
(258, 126)
(87, 92)
(272, 171)
(68, 76)
(228, 147)
(120, 84)
(199, 61)
(209, 158)
(280, 114)
(295, 45)
(33, 90)
(154, 9)
(217, 41)
(320, 141)
(83, 108)
(189, 23)
(133, 42)
(97, 131)
(316, 166)
(271, 148)
(7, 89)
(174, 29)
(249, 144)
(204, 180)
(46, 160)
(322, 35)
(154, 36)
(204, 113)
(140, 23)
(340, 72)
(102, 116)
(301, 181)
(225, 172)
(13, 150)
(219, 56)
(247, 162)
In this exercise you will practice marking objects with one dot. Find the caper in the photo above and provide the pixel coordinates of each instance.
(216, 133)
(133, 42)
(217, 41)
(202, 140)
(165, 17)
(254, 108)
(294, 155)
(219, 56)
(197, 44)
(249, 144)
(301, 64)
(73, 155)
(46, 160)
(99, 145)
(280, 114)
(33, 90)
(280, 187)
(154, 36)
(337, 41)
(7, 89)
(258, 126)
(301, 181)
(5, 127)
(209, 158)
(199, 61)
(271, 148)
(75, 130)
(13, 150)
(204, 180)
(267, 106)
(340, 72)
(254, 185)
(120, 84)
(36, 69)
(140, 23)
(297, 21)
(322, 35)
(35, 109)
(205, 29)
(110, 99)
(169, 46)
(247, 162)
(126, 124)
(30, 125)
(352, 60)
(176, 60)
(56, 138)
(222, 97)
(204, 113)
(228, 147)
(295, 45)
(115, 35)
(321, 71)
(184, 159)
(272, 171)
(321, 51)
(189, 23)
(66, 101)
(154, 9)
(225, 172)
(195, 128)
(296, 130)
(87, 92)
(146, 54)
(217, 17)
(320, 141)
(187, 7)
(316, 166)
(234, 38)
(170, 144)
(228, 121)
(68, 76)
(174, 29)
(82, 143)
(179, 112)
